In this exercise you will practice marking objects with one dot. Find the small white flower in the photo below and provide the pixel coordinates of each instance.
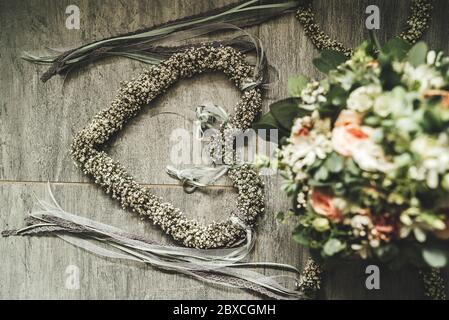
(374, 243)
(431, 57)
(425, 76)
(362, 249)
(434, 154)
(321, 224)
(301, 198)
(360, 222)
(310, 140)
(382, 106)
(420, 235)
(418, 174)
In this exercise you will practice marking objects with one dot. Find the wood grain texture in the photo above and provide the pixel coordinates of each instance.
(37, 122)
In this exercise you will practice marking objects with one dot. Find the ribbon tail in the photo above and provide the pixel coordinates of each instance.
(140, 44)
(222, 266)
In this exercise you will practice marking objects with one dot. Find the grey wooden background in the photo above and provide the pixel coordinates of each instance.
(37, 122)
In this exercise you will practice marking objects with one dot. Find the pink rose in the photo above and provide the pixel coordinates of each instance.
(323, 204)
(348, 133)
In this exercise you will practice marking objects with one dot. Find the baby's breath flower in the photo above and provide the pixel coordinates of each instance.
(416, 25)
(138, 93)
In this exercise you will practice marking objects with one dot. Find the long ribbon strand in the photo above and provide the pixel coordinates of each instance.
(222, 266)
(142, 44)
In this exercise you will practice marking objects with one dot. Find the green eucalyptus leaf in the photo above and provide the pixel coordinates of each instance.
(280, 216)
(417, 55)
(366, 48)
(296, 85)
(285, 112)
(372, 121)
(301, 238)
(396, 48)
(321, 174)
(334, 163)
(435, 258)
(387, 252)
(329, 60)
(268, 122)
(337, 96)
(333, 246)
(389, 77)
(431, 121)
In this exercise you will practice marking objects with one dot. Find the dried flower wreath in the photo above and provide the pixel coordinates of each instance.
(417, 23)
(140, 92)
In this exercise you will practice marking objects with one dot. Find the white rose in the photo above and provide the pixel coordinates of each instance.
(382, 106)
(370, 157)
(425, 76)
(362, 99)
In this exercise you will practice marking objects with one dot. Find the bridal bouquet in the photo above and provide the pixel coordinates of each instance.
(365, 155)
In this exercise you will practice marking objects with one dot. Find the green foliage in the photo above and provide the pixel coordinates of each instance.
(329, 60)
(300, 237)
(386, 202)
(336, 100)
(280, 216)
(281, 116)
(417, 55)
(390, 79)
(386, 253)
(285, 111)
(332, 247)
(334, 163)
(435, 257)
(268, 122)
(296, 84)
(396, 49)
(321, 174)
(289, 187)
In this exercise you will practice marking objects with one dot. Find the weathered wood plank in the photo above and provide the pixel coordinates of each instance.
(37, 128)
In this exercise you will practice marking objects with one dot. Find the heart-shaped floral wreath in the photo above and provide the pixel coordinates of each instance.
(139, 92)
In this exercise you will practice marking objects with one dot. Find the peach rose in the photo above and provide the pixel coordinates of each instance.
(348, 117)
(348, 133)
(300, 133)
(443, 94)
(323, 204)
